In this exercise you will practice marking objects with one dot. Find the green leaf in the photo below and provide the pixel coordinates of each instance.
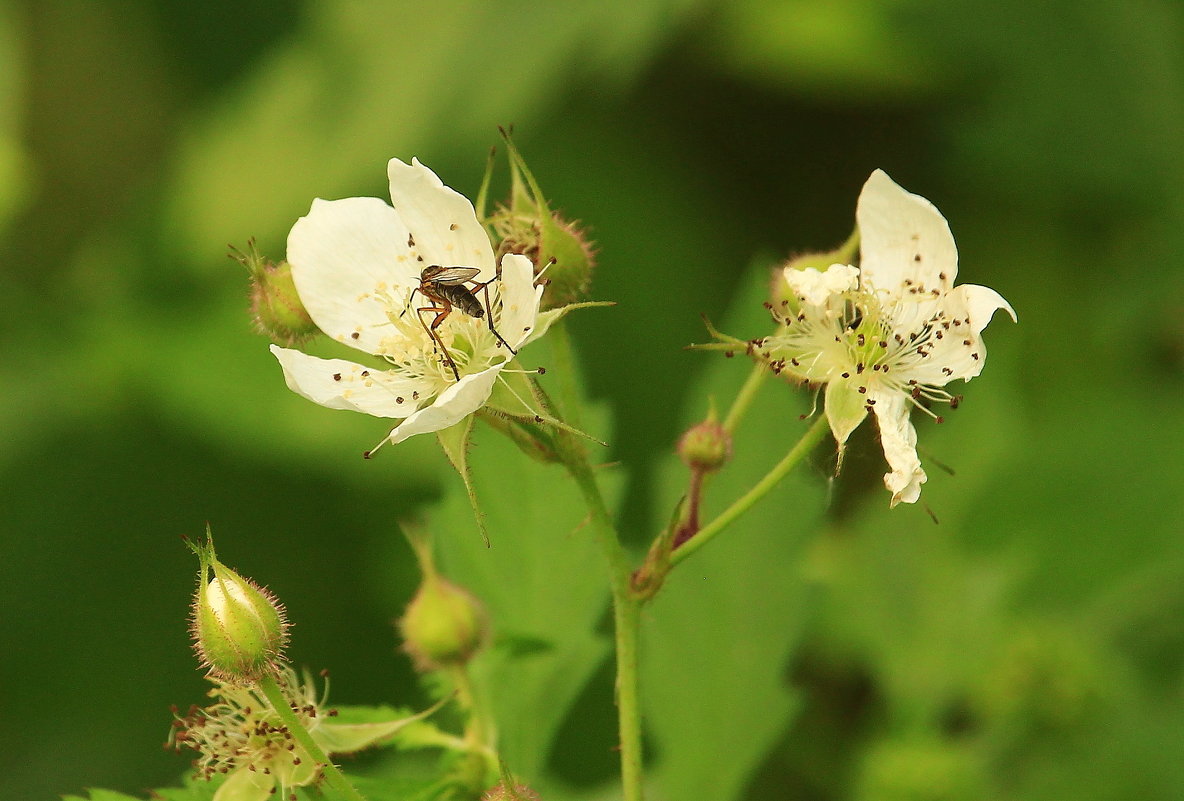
(545, 585)
(455, 442)
(100, 795)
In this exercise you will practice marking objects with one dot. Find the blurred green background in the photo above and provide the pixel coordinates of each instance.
(1030, 646)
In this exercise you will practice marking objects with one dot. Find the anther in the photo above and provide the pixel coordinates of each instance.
(337, 376)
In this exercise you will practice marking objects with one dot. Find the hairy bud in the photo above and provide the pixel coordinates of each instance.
(276, 307)
(239, 628)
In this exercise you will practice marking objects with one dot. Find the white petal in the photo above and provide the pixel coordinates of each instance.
(340, 252)
(453, 405)
(520, 299)
(340, 384)
(903, 237)
(961, 353)
(899, 440)
(817, 288)
(441, 221)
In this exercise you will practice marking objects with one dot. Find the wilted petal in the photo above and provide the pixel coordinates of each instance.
(903, 237)
(817, 288)
(441, 221)
(899, 440)
(341, 384)
(341, 252)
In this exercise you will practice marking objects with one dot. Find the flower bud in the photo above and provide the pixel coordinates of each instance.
(921, 770)
(706, 446)
(563, 255)
(518, 792)
(443, 625)
(239, 628)
(276, 307)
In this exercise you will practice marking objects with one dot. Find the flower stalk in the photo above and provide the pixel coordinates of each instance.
(275, 696)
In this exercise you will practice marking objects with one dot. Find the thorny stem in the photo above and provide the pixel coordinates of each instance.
(626, 619)
(275, 696)
(626, 607)
(758, 491)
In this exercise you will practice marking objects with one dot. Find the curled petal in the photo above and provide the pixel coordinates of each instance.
(899, 440)
(903, 238)
(981, 303)
(453, 405)
(441, 221)
(341, 252)
(341, 384)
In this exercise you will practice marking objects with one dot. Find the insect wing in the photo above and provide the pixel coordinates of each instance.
(451, 275)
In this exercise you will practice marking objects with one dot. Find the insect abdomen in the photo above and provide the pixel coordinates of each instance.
(461, 298)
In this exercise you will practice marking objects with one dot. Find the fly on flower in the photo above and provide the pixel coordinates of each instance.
(357, 264)
(445, 287)
(888, 335)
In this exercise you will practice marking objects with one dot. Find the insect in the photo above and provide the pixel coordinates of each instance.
(444, 288)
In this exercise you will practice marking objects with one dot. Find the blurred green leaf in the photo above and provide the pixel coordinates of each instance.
(544, 582)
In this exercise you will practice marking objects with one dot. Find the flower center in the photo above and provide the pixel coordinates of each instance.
(435, 342)
(876, 340)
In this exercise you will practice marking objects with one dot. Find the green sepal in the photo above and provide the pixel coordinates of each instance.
(347, 738)
(94, 794)
(455, 442)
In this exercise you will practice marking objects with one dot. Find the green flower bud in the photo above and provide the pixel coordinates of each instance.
(443, 625)
(518, 792)
(276, 307)
(922, 771)
(563, 255)
(239, 628)
(706, 446)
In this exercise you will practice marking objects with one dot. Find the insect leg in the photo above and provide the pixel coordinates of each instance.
(441, 313)
(489, 316)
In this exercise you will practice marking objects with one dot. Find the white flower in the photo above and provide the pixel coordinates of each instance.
(357, 264)
(889, 333)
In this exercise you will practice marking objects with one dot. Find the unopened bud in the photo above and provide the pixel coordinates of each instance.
(706, 446)
(276, 307)
(517, 792)
(563, 255)
(239, 628)
(443, 625)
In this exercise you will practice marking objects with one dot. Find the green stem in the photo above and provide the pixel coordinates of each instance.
(275, 696)
(758, 491)
(745, 397)
(626, 607)
(627, 621)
